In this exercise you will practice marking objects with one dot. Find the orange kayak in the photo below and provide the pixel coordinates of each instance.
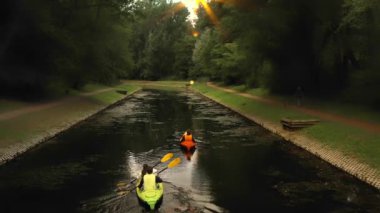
(189, 145)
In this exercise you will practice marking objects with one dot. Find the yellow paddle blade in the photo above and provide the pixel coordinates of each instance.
(166, 157)
(174, 163)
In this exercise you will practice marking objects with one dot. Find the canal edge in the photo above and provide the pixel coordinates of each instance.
(348, 164)
(16, 150)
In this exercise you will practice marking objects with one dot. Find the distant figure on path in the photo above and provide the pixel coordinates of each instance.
(299, 95)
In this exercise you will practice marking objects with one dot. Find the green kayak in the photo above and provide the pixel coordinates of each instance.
(150, 199)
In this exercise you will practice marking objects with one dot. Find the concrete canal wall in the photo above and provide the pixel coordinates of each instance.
(11, 152)
(336, 158)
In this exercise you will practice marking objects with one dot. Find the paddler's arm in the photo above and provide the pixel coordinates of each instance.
(158, 179)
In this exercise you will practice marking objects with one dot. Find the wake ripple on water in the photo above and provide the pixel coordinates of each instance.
(176, 199)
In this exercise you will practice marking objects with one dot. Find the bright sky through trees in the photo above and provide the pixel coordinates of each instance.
(192, 6)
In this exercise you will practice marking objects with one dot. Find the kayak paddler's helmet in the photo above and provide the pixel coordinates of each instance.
(145, 167)
(149, 170)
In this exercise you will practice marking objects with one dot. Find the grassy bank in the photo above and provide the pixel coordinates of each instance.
(110, 96)
(357, 143)
(32, 120)
(336, 106)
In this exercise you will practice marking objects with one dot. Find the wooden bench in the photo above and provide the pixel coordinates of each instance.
(295, 124)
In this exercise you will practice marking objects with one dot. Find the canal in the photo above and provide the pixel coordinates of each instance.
(237, 167)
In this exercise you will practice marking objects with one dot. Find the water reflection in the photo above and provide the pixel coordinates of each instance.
(188, 154)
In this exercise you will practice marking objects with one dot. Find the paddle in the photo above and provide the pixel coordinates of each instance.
(172, 164)
(124, 193)
(163, 159)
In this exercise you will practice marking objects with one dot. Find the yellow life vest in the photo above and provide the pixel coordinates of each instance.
(149, 182)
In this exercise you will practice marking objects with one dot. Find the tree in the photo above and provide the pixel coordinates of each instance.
(57, 44)
(183, 50)
(159, 32)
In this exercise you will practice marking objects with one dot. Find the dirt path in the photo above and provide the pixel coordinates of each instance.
(370, 127)
(29, 109)
(42, 106)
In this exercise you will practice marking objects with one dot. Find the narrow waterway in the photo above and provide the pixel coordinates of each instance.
(237, 167)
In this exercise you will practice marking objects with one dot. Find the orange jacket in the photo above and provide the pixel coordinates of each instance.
(186, 137)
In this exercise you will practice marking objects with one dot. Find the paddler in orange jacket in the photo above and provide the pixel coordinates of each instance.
(187, 136)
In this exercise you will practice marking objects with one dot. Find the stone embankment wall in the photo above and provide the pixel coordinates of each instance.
(15, 150)
(338, 159)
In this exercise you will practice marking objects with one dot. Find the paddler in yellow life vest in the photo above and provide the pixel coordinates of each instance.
(187, 136)
(149, 180)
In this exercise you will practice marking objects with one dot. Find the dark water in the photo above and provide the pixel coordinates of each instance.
(237, 167)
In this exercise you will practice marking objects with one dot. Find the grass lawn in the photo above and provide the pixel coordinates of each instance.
(355, 142)
(25, 126)
(92, 87)
(108, 97)
(349, 110)
(6, 105)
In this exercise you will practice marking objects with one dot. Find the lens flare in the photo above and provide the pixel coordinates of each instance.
(193, 6)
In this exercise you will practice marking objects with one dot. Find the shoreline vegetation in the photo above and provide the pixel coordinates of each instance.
(348, 147)
(353, 149)
(23, 125)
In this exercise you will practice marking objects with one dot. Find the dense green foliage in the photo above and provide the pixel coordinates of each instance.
(59, 44)
(326, 47)
(50, 46)
(162, 44)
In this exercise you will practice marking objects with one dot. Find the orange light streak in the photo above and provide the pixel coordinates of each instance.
(209, 12)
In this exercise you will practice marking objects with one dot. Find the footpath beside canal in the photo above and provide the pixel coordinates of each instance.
(25, 125)
(328, 140)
